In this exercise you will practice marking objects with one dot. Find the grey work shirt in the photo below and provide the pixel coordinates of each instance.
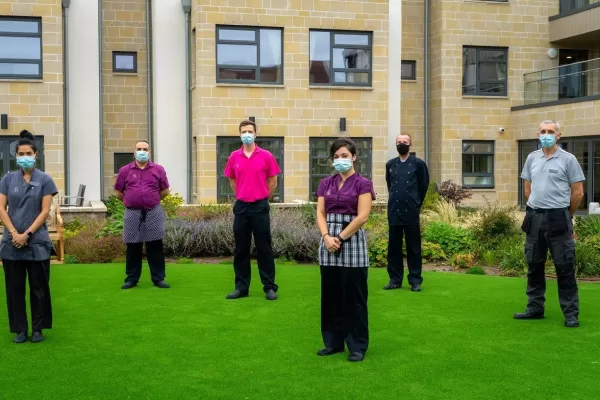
(24, 202)
(551, 178)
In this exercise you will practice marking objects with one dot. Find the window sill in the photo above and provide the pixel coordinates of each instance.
(334, 87)
(125, 73)
(487, 1)
(481, 190)
(257, 85)
(409, 81)
(25, 80)
(485, 97)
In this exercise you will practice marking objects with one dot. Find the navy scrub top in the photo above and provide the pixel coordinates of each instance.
(24, 206)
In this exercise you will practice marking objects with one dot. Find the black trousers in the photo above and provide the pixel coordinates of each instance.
(253, 220)
(156, 261)
(413, 254)
(15, 275)
(344, 314)
(550, 230)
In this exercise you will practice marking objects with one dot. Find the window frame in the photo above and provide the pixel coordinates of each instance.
(332, 46)
(256, 42)
(413, 63)
(5, 142)
(479, 174)
(118, 155)
(280, 190)
(39, 62)
(312, 194)
(478, 81)
(115, 54)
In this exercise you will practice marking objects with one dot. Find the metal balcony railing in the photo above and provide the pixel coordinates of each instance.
(571, 81)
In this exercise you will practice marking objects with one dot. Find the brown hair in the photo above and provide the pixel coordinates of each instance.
(405, 134)
(246, 123)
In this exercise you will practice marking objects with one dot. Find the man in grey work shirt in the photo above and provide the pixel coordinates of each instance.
(554, 189)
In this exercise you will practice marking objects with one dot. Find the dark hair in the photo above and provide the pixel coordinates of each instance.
(246, 123)
(26, 139)
(342, 142)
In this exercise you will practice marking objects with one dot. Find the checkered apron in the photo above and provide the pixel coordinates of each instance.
(354, 251)
(143, 225)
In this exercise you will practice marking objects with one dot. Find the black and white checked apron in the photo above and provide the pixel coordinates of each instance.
(143, 225)
(354, 251)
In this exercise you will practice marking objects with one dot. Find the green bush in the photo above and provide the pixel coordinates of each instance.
(87, 248)
(495, 221)
(587, 260)
(475, 271)
(461, 261)
(587, 226)
(171, 204)
(431, 198)
(70, 259)
(489, 257)
(511, 254)
(452, 239)
(378, 252)
(432, 252)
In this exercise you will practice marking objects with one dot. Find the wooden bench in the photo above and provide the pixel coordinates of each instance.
(54, 223)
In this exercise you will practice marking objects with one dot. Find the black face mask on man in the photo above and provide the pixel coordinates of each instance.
(403, 148)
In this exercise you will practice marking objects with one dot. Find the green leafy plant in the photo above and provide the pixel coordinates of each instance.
(183, 260)
(432, 252)
(431, 198)
(171, 204)
(587, 260)
(114, 206)
(587, 226)
(378, 252)
(452, 239)
(475, 271)
(461, 261)
(489, 257)
(495, 221)
(88, 248)
(70, 259)
(511, 254)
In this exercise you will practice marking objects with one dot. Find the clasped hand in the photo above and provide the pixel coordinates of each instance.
(20, 240)
(332, 243)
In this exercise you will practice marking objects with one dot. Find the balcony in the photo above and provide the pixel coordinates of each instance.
(570, 83)
(577, 24)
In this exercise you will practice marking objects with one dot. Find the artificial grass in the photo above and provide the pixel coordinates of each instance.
(454, 340)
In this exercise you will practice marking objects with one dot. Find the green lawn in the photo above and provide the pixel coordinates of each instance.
(455, 340)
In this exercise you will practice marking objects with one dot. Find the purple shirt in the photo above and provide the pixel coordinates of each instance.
(141, 187)
(344, 201)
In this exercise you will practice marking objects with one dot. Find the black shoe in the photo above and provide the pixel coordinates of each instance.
(328, 351)
(356, 357)
(271, 295)
(162, 284)
(37, 337)
(21, 338)
(128, 285)
(392, 285)
(236, 294)
(529, 315)
(415, 288)
(571, 322)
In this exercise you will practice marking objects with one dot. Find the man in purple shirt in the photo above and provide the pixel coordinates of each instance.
(141, 185)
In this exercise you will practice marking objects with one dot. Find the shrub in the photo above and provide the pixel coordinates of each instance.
(378, 252)
(114, 206)
(587, 226)
(432, 252)
(452, 239)
(442, 211)
(489, 257)
(87, 248)
(182, 260)
(293, 238)
(459, 261)
(587, 260)
(171, 204)
(70, 259)
(203, 212)
(432, 196)
(475, 271)
(592, 241)
(454, 193)
(511, 254)
(494, 221)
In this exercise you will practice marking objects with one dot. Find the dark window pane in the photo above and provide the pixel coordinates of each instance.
(24, 48)
(320, 65)
(408, 70)
(362, 40)
(478, 181)
(468, 164)
(492, 87)
(491, 55)
(352, 77)
(236, 54)
(237, 74)
(19, 69)
(351, 58)
(483, 164)
(469, 81)
(492, 72)
(121, 159)
(470, 147)
(12, 26)
(124, 62)
(237, 34)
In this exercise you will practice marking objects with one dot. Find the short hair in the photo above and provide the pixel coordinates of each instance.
(247, 123)
(549, 121)
(342, 142)
(143, 141)
(26, 139)
(405, 134)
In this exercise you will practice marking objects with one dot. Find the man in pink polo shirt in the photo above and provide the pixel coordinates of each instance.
(252, 173)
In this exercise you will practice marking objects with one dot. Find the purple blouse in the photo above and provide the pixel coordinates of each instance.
(344, 201)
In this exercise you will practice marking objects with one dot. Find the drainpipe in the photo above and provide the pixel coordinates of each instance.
(101, 102)
(187, 9)
(150, 112)
(426, 80)
(65, 6)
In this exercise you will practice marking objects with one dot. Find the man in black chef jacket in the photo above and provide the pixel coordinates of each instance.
(407, 180)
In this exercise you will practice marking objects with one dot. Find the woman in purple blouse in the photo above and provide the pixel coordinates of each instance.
(344, 204)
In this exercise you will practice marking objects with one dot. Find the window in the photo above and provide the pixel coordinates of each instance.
(478, 164)
(409, 70)
(20, 48)
(122, 159)
(8, 153)
(587, 152)
(340, 58)
(227, 145)
(125, 61)
(249, 55)
(484, 71)
(320, 164)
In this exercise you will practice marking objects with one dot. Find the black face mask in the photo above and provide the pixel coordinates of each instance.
(403, 148)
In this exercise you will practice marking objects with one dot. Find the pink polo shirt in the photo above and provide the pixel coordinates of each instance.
(251, 173)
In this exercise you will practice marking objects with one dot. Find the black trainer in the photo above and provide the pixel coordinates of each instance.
(236, 294)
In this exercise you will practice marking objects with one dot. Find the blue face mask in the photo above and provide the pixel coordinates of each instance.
(547, 140)
(247, 138)
(142, 156)
(342, 164)
(26, 162)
